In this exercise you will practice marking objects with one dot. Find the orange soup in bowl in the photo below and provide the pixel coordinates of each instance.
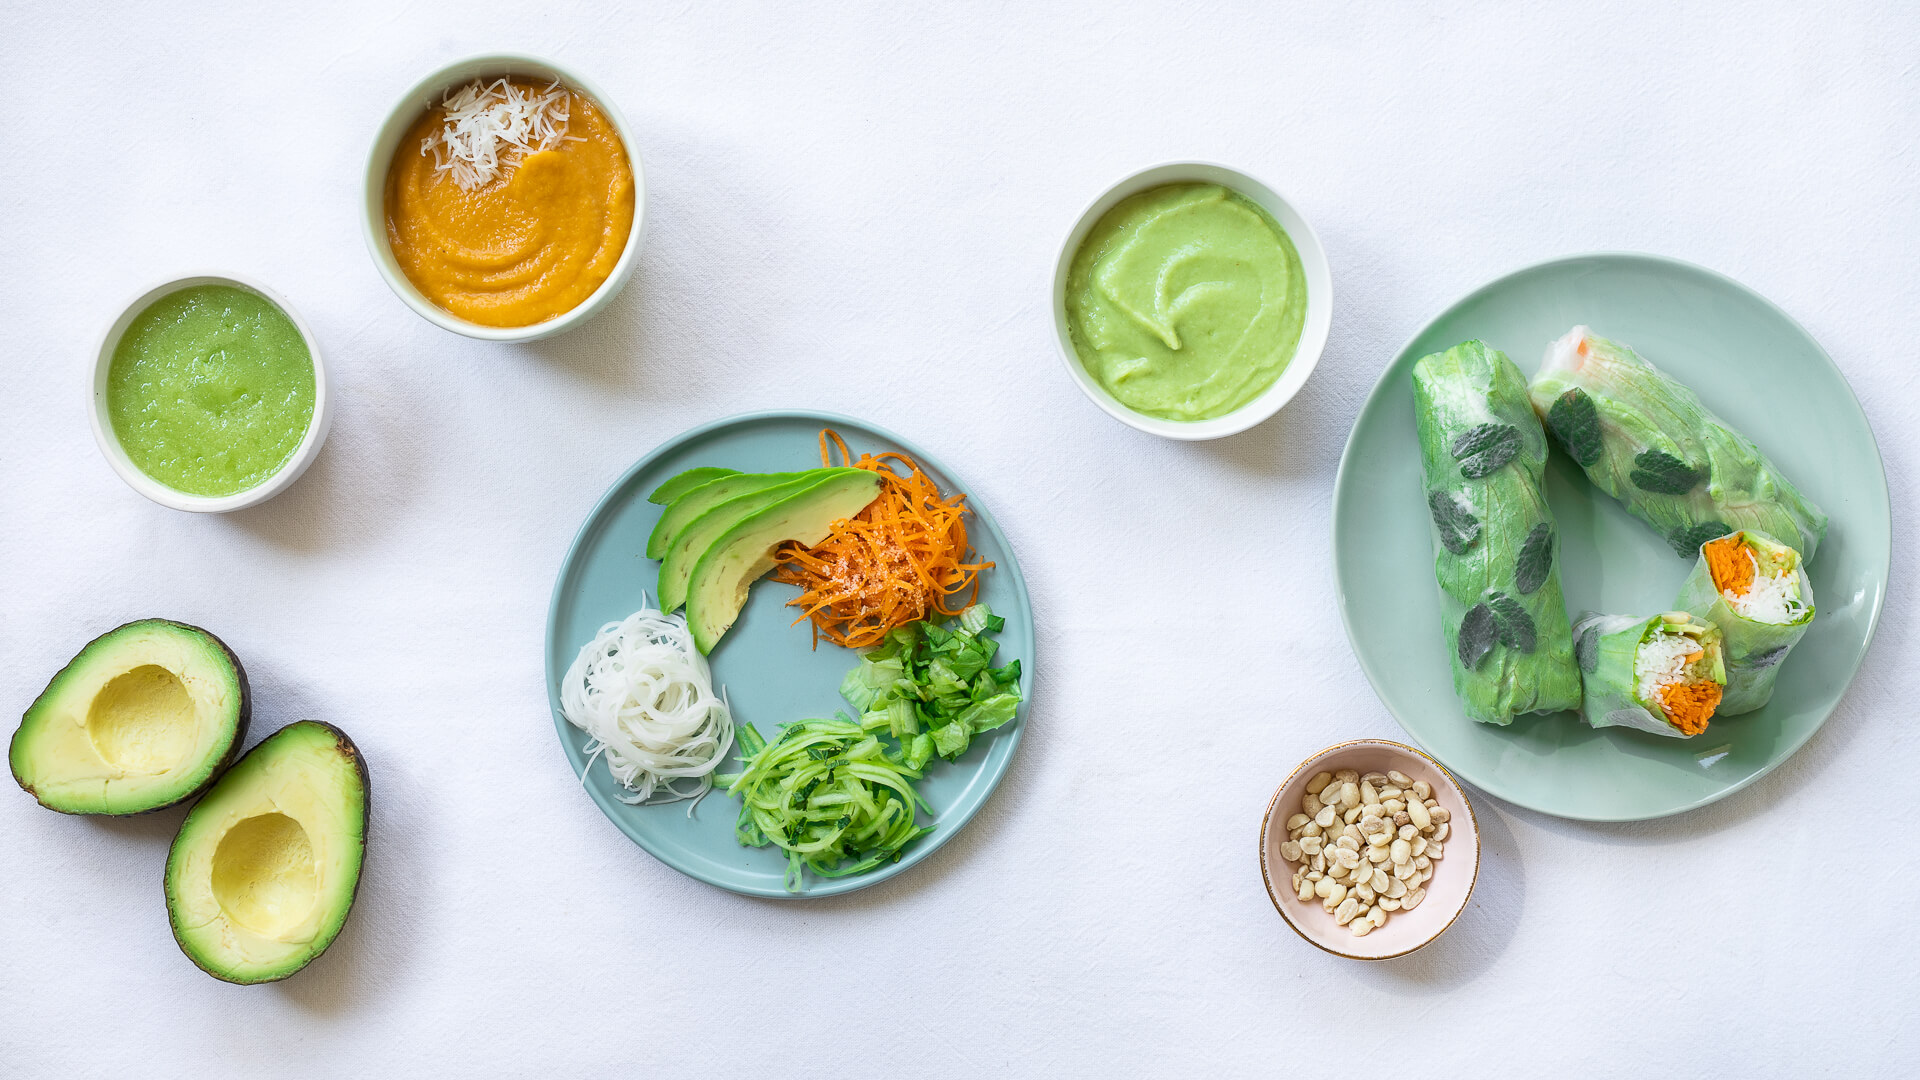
(510, 203)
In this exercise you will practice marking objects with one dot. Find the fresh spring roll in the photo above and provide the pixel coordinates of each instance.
(1753, 588)
(1664, 673)
(1493, 537)
(1645, 439)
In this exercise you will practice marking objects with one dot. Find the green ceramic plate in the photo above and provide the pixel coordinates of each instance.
(1750, 363)
(771, 673)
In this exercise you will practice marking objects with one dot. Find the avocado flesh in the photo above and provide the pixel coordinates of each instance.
(145, 716)
(717, 589)
(681, 483)
(264, 869)
(676, 565)
(698, 500)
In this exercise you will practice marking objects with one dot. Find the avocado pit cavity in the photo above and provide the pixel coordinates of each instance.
(143, 721)
(263, 874)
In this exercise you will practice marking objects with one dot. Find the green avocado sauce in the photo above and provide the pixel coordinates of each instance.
(1185, 302)
(210, 390)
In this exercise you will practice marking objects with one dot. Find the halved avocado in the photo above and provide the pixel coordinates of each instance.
(718, 588)
(264, 869)
(684, 551)
(698, 500)
(145, 716)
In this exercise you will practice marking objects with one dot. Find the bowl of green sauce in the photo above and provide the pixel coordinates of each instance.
(209, 394)
(1191, 301)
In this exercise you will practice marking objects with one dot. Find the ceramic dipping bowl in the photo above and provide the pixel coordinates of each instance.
(116, 455)
(422, 96)
(1453, 875)
(1317, 322)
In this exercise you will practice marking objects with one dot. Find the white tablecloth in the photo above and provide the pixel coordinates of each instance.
(858, 210)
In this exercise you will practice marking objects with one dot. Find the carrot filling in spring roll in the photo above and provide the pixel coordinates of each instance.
(1672, 669)
(1690, 705)
(1751, 588)
(1731, 565)
(1758, 580)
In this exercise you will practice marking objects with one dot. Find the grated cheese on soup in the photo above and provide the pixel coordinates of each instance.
(490, 126)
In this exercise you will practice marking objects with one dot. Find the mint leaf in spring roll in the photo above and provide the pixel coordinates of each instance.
(1663, 674)
(1753, 588)
(1644, 438)
(1494, 542)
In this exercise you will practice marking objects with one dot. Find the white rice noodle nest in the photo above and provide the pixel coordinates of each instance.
(644, 695)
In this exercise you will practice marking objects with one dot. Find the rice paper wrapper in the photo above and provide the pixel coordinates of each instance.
(1754, 650)
(1607, 646)
(1496, 549)
(1644, 438)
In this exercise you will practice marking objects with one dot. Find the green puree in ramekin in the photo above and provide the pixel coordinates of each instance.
(211, 390)
(1185, 302)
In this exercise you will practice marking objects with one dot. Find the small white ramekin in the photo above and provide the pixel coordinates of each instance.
(1313, 329)
(424, 95)
(103, 433)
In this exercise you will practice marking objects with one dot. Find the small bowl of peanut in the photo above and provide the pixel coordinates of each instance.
(1369, 850)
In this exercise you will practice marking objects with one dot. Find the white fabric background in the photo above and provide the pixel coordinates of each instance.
(856, 210)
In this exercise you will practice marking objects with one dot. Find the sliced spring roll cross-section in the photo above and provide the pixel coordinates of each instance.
(1494, 540)
(1664, 673)
(1646, 439)
(1753, 588)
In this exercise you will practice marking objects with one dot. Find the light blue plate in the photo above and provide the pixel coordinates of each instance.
(1751, 364)
(771, 673)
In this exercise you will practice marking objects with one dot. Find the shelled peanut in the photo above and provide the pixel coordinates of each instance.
(1365, 845)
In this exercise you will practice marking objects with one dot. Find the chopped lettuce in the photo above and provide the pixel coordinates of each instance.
(829, 793)
(937, 684)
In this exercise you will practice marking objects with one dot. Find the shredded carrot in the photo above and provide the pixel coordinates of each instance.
(900, 560)
(1690, 705)
(1731, 565)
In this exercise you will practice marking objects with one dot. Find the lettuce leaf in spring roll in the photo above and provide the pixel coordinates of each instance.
(1646, 439)
(1664, 674)
(1494, 540)
(1753, 588)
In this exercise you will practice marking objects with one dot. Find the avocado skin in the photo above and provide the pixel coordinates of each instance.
(226, 761)
(348, 750)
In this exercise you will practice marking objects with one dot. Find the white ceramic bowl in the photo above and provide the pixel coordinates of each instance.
(425, 94)
(1313, 329)
(1453, 875)
(104, 435)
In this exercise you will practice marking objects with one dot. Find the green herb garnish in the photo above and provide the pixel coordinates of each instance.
(1484, 449)
(1458, 527)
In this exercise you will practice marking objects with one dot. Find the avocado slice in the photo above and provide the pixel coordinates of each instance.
(681, 483)
(264, 869)
(717, 590)
(698, 500)
(676, 565)
(145, 716)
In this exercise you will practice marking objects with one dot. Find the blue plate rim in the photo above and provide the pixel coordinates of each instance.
(1009, 736)
(1380, 387)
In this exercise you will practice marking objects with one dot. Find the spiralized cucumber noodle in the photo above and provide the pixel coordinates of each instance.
(644, 695)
